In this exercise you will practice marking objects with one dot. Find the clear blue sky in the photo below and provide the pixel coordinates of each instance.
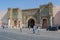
(25, 4)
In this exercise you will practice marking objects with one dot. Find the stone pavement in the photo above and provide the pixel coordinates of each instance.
(43, 33)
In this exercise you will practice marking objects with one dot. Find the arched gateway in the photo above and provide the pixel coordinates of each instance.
(31, 23)
(44, 24)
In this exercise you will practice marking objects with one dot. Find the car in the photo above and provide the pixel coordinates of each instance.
(59, 27)
(53, 28)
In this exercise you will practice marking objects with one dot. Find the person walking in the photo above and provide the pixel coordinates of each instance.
(34, 27)
(3, 26)
(29, 27)
(38, 30)
(21, 28)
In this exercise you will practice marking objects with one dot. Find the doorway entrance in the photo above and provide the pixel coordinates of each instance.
(15, 23)
(31, 23)
(44, 24)
(19, 24)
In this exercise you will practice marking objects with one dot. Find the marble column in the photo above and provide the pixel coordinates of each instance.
(40, 22)
(9, 23)
(51, 21)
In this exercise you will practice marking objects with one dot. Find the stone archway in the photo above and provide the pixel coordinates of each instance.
(29, 19)
(44, 23)
(18, 24)
(15, 23)
(31, 23)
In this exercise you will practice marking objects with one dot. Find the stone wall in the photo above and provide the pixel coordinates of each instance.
(56, 15)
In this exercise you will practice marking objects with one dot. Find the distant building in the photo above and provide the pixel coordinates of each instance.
(44, 16)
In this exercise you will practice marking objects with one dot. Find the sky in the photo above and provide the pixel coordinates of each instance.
(25, 4)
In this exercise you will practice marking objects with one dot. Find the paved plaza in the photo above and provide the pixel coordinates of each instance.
(26, 34)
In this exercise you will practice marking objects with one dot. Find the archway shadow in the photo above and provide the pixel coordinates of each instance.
(31, 23)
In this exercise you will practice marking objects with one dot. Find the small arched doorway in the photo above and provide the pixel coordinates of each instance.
(15, 23)
(44, 24)
(19, 24)
(31, 23)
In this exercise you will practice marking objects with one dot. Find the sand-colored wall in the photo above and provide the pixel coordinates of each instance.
(56, 15)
